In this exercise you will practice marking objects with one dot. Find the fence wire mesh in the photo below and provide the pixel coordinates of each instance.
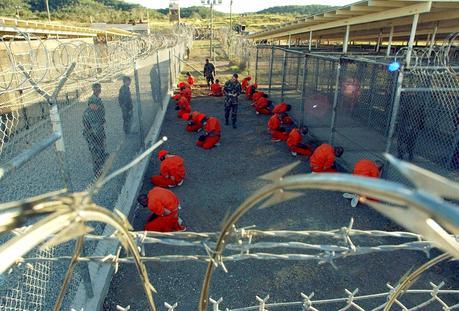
(352, 101)
(52, 140)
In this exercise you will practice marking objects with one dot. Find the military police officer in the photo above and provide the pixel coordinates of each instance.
(125, 101)
(93, 129)
(232, 90)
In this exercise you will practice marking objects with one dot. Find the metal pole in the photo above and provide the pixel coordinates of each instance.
(47, 10)
(346, 39)
(256, 65)
(395, 109)
(271, 70)
(171, 81)
(389, 45)
(310, 41)
(303, 89)
(231, 16)
(378, 44)
(211, 26)
(297, 72)
(432, 39)
(138, 104)
(284, 65)
(22, 158)
(335, 104)
(289, 40)
(412, 37)
(159, 81)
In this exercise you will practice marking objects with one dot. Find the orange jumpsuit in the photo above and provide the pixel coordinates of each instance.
(213, 133)
(257, 96)
(280, 108)
(184, 92)
(165, 207)
(366, 168)
(262, 106)
(190, 81)
(195, 124)
(294, 143)
(251, 89)
(323, 159)
(184, 106)
(171, 172)
(216, 90)
(245, 83)
(275, 127)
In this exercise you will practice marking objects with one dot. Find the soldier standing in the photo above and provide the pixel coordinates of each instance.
(209, 72)
(93, 129)
(232, 90)
(125, 101)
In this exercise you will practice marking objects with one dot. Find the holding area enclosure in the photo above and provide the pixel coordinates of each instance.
(357, 102)
(47, 143)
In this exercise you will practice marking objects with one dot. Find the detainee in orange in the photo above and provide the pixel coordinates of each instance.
(165, 207)
(295, 144)
(323, 158)
(216, 89)
(171, 171)
(367, 168)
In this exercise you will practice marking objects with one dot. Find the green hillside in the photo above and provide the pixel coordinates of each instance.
(297, 9)
(117, 11)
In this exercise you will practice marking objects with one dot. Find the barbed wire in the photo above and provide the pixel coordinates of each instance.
(95, 61)
(434, 59)
(352, 301)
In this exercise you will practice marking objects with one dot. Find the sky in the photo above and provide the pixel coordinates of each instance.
(240, 6)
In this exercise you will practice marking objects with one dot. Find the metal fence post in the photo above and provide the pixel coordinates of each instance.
(159, 81)
(55, 118)
(138, 104)
(271, 70)
(284, 65)
(297, 72)
(303, 89)
(395, 109)
(335, 104)
(171, 82)
(256, 65)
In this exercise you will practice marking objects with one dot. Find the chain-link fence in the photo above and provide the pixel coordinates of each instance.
(358, 103)
(71, 110)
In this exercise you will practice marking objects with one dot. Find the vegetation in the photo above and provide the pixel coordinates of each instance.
(297, 9)
(117, 11)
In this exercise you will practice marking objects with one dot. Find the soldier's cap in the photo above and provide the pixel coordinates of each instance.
(249, 78)
(126, 78)
(96, 85)
(162, 154)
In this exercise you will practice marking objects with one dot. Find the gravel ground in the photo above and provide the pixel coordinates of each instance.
(217, 182)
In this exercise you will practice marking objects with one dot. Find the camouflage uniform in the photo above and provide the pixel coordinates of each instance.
(125, 101)
(94, 132)
(231, 102)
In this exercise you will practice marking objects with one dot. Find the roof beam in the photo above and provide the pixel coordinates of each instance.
(386, 3)
(384, 15)
(381, 17)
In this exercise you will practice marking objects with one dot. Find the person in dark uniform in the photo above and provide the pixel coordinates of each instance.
(93, 129)
(209, 72)
(232, 90)
(410, 125)
(125, 101)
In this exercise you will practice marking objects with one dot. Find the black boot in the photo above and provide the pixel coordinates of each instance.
(226, 122)
(234, 125)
